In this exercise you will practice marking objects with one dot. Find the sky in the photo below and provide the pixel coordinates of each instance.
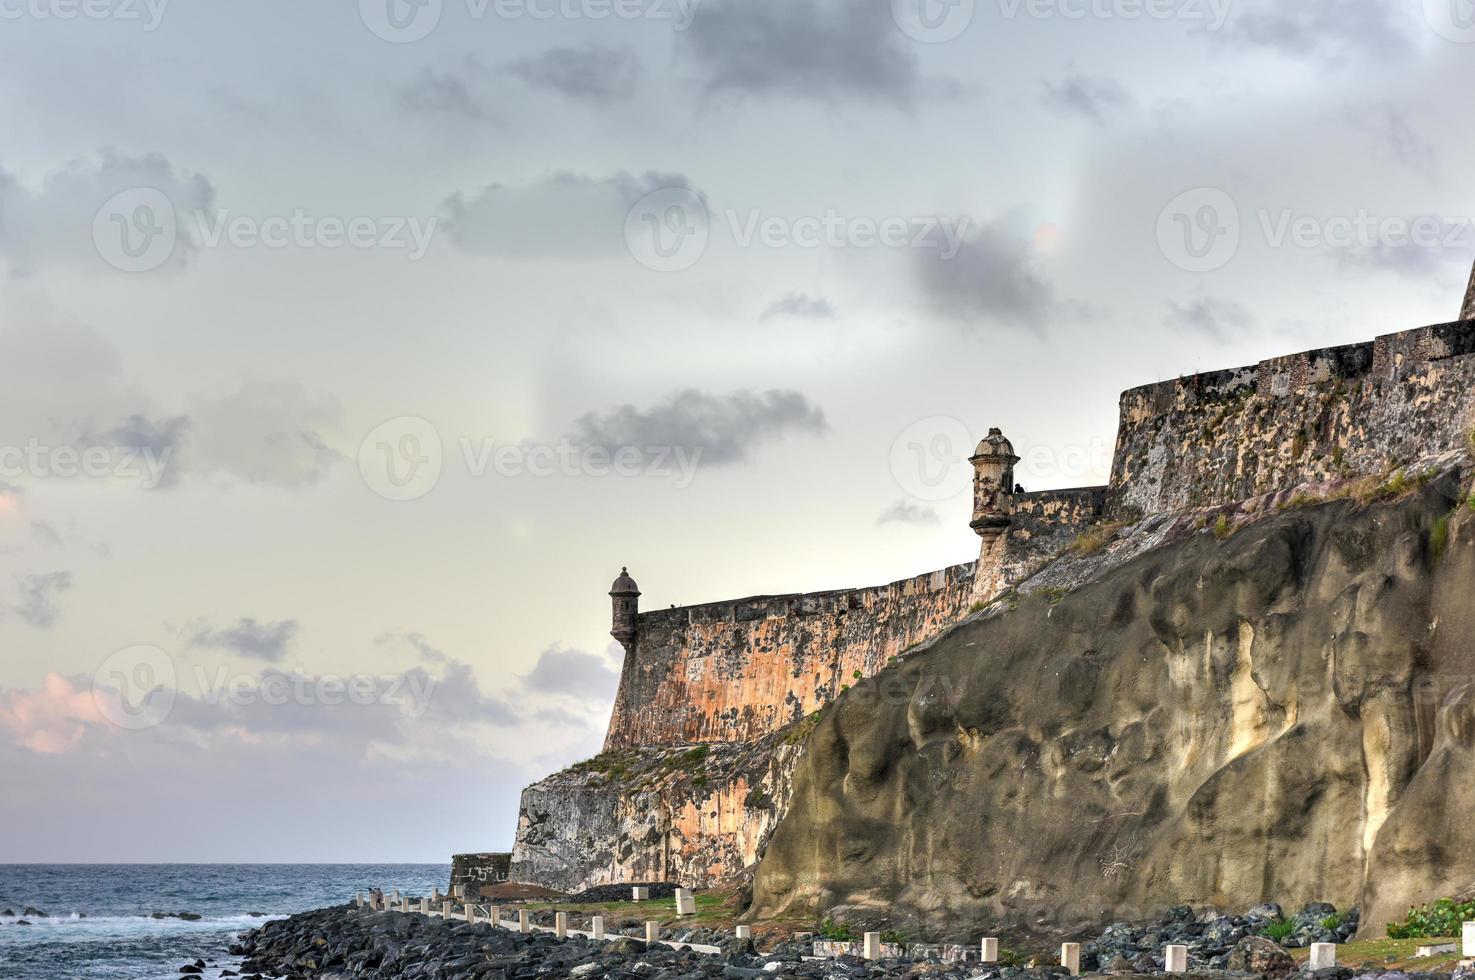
(348, 349)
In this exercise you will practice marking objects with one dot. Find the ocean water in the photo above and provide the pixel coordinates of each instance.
(100, 926)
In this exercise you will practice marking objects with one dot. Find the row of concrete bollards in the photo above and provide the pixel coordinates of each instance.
(1175, 958)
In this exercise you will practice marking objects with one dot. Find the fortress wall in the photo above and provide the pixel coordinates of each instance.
(1216, 438)
(736, 671)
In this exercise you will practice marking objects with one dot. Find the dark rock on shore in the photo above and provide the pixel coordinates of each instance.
(621, 893)
(1212, 936)
(343, 943)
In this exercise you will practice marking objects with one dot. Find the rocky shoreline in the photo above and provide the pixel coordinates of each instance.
(345, 943)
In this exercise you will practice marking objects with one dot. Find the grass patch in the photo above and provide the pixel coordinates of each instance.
(1331, 923)
(1387, 954)
(1096, 537)
(980, 605)
(1439, 537)
(1298, 501)
(1222, 527)
(836, 932)
(1054, 593)
(1280, 930)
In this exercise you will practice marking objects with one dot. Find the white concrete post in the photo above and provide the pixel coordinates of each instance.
(424, 905)
(639, 894)
(686, 902)
(1175, 959)
(1323, 956)
(989, 953)
(524, 921)
(596, 926)
(394, 896)
(745, 932)
(1468, 938)
(470, 912)
(496, 915)
(1070, 958)
(446, 908)
(358, 899)
(560, 925)
(872, 947)
(652, 932)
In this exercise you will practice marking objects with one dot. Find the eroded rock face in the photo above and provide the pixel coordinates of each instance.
(1284, 715)
(692, 815)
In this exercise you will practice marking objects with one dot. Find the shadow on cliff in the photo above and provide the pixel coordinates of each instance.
(1284, 715)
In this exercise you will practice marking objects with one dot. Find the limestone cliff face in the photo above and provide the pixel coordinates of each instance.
(1287, 714)
(692, 815)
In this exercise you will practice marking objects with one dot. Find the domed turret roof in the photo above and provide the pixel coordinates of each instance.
(994, 444)
(624, 585)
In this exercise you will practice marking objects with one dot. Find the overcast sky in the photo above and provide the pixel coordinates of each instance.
(348, 349)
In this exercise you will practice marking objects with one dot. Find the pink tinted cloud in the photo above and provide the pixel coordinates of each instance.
(51, 720)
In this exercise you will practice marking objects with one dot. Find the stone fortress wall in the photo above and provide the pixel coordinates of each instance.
(1321, 415)
(731, 674)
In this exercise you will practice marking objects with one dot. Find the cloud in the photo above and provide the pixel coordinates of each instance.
(800, 305)
(269, 432)
(51, 226)
(1221, 319)
(993, 277)
(1338, 33)
(249, 638)
(36, 597)
(52, 719)
(574, 673)
(1094, 98)
(564, 215)
(823, 49)
(447, 92)
(1395, 127)
(722, 429)
(593, 73)
(160, 440)
(61, 384)
(906, 512)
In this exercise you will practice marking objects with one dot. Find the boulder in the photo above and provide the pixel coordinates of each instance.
(1256, 954)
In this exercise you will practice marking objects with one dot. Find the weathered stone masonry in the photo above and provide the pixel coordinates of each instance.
(1320, 415)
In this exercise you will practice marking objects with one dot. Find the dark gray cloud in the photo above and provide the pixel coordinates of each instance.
(1397, 128)
(564, 215)
(249, 638)
(907, 512)
(1412, 261)
(36, 597)
(722, 428)
(1334, 32)
(574, 673)
(800, 305)
(594, 73)
(160, 440)
(821, 49)
(1095, 98)
(1210, 316)
(993, 278)
(456, 92)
